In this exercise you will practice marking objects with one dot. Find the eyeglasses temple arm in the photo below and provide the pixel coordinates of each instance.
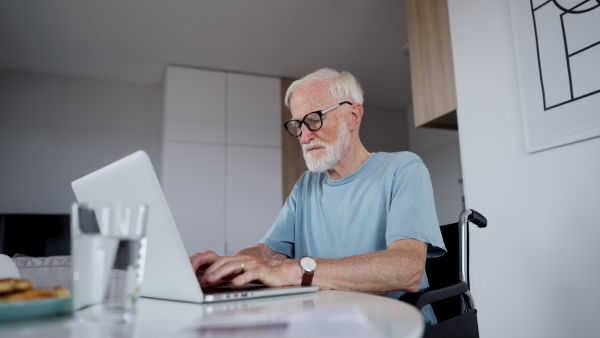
(329, 109)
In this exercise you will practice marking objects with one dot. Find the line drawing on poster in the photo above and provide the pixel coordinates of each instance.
(567, 46)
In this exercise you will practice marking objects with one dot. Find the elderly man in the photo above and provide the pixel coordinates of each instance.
(355, 221)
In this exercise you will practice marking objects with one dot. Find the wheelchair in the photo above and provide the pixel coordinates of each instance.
(449, 286)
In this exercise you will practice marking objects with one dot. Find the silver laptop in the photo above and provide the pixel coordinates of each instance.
(168, 273)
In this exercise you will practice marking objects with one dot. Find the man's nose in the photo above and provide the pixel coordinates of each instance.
(307, 134)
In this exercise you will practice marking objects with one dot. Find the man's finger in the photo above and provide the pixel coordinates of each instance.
(205, 258)
(228, 269)
(222, 268)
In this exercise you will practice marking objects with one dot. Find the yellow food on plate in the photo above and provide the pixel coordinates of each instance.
(9, 285)
(14, 290)
(28, 295)
(61, 292)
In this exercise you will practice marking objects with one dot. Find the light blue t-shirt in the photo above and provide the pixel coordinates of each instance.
(387, 199)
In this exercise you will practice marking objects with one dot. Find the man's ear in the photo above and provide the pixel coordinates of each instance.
(356, 115)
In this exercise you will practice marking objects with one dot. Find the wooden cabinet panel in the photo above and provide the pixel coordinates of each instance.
(431, 64)
(291, 153)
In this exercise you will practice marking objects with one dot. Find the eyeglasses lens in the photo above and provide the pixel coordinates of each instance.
(293, 127)
(313, 120)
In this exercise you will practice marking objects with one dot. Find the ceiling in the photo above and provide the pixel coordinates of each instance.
(134, 40)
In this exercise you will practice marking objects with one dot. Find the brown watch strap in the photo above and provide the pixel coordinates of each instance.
(307, 278)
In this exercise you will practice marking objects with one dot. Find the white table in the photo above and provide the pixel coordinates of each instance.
(385, 317)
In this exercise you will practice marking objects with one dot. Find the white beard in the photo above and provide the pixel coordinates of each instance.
(333, 152)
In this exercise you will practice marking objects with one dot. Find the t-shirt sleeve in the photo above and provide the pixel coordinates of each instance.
(280, 236)
(412, 209)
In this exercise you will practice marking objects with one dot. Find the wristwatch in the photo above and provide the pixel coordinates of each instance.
(308, 265)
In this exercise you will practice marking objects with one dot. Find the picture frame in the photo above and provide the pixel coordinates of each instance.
(557, 45)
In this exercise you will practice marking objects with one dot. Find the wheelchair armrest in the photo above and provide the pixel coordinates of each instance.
(428, 296)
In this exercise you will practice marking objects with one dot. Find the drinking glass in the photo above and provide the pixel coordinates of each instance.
(108, 248)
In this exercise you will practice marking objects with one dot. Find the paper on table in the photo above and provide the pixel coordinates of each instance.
(348, 321)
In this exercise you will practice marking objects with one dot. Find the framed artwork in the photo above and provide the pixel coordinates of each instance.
(558, 55)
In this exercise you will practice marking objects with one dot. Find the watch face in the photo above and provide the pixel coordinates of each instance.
(308, 264)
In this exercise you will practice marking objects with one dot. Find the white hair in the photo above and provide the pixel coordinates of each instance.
(342, 85)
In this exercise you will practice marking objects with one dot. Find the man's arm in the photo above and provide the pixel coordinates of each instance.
(261, 250)
(400, 267)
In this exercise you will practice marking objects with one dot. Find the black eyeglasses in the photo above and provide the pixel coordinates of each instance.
(313, 121)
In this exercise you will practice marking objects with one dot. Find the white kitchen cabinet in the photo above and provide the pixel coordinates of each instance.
(221, 161)
(252, 102)
(194, 104)
(193, 179)
(253, 194)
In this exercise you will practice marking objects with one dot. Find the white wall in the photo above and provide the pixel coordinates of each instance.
(534, 270)
(55, 129)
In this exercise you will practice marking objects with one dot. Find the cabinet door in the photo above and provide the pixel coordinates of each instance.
(222, 157)
(253, 110)
(253, 194)
(193, 179)
(431, 65)
(194, 105)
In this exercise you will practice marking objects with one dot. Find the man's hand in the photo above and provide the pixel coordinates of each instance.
(202, 261)
(400, 267)
(246, 268)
